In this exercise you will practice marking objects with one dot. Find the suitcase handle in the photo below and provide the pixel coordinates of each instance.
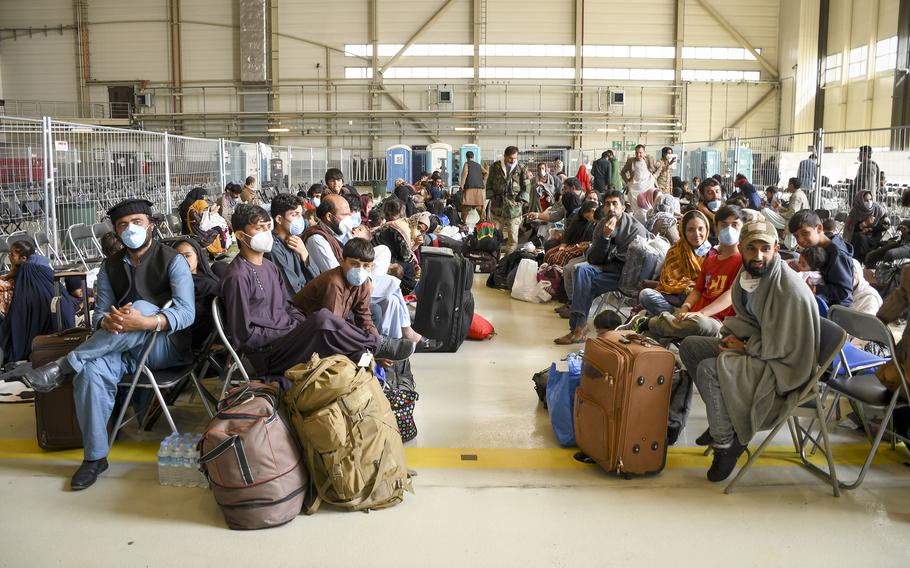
(644, 341)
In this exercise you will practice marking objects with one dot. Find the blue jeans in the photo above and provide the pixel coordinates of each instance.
(654, 302)
(590, 282)
(101, 362)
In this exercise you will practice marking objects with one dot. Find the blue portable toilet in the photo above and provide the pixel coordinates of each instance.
(398, 164)
(439, 159)
(464, 159)
(705, 162)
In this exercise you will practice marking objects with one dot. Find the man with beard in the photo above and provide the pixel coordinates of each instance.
(765, 355)
(600, 274)
(333, 229)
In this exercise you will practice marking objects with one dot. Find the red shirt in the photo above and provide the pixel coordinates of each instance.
(717, 276)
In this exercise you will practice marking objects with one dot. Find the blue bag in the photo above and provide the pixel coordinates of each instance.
(561, 387)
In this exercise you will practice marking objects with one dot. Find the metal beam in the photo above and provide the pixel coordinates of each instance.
(439, 13)
(900, 109)
(176, 57)
(712, 11)
(578, 98)
(403, 107)
(478, 12)
(754, 108)
(680, 34)
(274, 67)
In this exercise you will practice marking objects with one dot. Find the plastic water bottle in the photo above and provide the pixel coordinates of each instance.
(179, 478)
(188, 461)
(199, 478)
(162, 461)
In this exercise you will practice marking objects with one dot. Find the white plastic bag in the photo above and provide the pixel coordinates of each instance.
(526, 287)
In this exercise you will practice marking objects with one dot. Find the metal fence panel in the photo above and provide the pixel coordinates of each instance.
(23, 183)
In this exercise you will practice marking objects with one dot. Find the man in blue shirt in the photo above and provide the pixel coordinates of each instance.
(807, 171)
(129, 306)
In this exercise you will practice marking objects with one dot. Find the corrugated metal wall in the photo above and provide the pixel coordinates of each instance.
(43, 68)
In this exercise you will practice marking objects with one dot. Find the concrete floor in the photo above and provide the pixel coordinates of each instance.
(521, 502)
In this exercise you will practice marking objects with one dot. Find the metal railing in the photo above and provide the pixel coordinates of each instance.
(56, 174)
(66, 109)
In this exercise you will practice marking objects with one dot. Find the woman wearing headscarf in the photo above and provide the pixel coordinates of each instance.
(206, 286)
(584, 177)
(212, 238)
(29, 312)
(682, 266)
(865, 225)
(192, 197)
(71, 300)
(662, 218)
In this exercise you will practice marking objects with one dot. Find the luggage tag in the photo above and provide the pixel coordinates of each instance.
(365, 360)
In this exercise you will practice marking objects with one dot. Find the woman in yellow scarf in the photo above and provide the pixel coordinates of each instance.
(681, 266)
(210, 239)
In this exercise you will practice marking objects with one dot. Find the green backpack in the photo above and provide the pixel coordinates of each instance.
(349, 434)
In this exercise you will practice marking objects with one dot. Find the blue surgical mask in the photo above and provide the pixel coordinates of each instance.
(867, 205)
(134, 236)
(298, 226)
(703, 249)
(316, 201)
(713, 205)
(357, 218)
(728, 236)
(357, 276)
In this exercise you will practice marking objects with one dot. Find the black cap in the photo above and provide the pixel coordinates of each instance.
(865, 150)
(129, 207)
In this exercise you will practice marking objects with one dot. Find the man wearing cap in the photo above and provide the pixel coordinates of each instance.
(766, 354)
(867, 175)
(132, 289)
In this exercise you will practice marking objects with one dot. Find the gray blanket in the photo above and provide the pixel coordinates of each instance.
(781, 352)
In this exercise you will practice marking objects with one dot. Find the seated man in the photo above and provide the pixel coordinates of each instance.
(709, 303)
(289, 253)
(711, 199)
(268, 329)
(345, 289)
(600, 273)
(132, 287)
(333, 228)
(752, 375)
(897, 248)
(837, 271)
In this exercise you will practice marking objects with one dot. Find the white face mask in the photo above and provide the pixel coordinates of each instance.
(261, 242)
(748, 282)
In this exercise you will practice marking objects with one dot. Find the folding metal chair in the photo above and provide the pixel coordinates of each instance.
(863, 389)
(157, 381)
(82, 239)
(234, 361)
(809, 403)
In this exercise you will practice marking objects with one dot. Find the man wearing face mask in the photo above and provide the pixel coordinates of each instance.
(333, 228)
(345, 289)
(507, 192)
(754, 373)
(288, 252)
(272, 333)
(132, 288)
(711, 200)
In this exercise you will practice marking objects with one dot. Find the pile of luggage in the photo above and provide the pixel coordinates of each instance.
(332, 438)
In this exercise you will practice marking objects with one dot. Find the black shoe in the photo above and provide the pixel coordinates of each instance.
(45, 378)
(673, 434)
(705, 439)
(87, 474)
(395, 349)
(427, 345)
(725, 461)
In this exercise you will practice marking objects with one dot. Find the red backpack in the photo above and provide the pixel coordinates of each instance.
(480, 328)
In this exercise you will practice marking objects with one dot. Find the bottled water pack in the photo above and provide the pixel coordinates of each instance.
(178, 461)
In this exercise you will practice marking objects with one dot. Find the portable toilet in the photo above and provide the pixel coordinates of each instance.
(398, 164)
(744, 166)
(705, 162)
(418, 162)
(464, 159)
(439, 158)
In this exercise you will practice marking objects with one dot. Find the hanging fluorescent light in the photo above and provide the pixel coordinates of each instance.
(608, 130)
(279, 129)
(465, 129)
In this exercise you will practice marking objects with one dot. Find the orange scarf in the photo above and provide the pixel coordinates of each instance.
(682, 266)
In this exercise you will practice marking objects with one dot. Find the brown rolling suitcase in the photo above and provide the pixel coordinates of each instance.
(622, 403)
(55, 411)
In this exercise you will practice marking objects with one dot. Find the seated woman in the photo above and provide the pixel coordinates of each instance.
(206, 287)
(31, 282)
(682, 266)
(396, 234)
(213, 238)
(577, 236)
(71, 300)
(865, 225)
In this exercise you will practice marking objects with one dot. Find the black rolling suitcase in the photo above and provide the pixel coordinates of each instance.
(445, 305)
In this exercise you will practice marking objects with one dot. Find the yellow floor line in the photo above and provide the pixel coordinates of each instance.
(484, 458)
